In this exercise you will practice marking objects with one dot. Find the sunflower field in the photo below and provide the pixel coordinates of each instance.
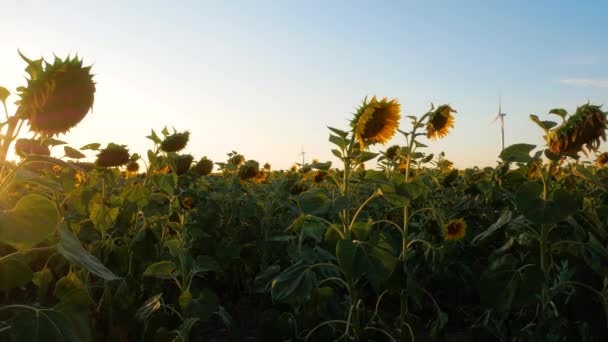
(157, 247)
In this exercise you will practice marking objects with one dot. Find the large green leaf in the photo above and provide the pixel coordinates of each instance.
(559, 206)
(294, 285)
(4, 93)
(42, 325)
(73, 153)
(401, 193)
(517, 153)
(13, 273)
(359, 258)
(70, 247)
(161, 269)
(32, 220)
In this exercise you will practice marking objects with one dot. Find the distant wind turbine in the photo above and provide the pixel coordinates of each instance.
(303, 154)
(501, 116)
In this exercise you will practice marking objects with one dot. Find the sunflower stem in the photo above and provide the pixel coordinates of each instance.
(7, 140)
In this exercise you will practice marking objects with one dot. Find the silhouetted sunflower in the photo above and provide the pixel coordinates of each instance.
(113, 155)
(392, 152)
(175, 142)
(203, 167)
(57, 96)
(376, 121)
(440, 122)
(250, 169)
(586, 128)
(183, 163)
(455, 229)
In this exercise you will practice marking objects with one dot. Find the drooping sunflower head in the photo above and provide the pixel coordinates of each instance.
(392, 153)
(113, 155)
(376, 121)
(132, 167)
(267, 166)
(586, 128)
(260, 177)
(250, 169)
(440, 122)
(24, 147)
(455, 229)
(293, 168)
(236, 160)
(602, 159)
(175, 142)
(319, 176)
(57, 96)
(183, 163)
(203, 167)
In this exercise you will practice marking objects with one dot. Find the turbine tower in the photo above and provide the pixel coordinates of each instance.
(501, 116)
(303, 154)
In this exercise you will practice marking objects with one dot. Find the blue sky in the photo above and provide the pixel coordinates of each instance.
(266, 78)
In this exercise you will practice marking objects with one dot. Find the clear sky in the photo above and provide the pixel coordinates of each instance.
(266, 78)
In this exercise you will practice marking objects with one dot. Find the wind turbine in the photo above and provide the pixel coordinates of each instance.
(501, 116)
(303, 154)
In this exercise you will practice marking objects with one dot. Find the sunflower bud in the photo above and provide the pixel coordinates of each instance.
(203, 167)
(236, 160)
(23, 147)
(249, 170)
(113, 155)
(183, 163)
(175, 142)
(376, 121)
(583, 129)
(58, 96)
(392, 152)
(440, 122)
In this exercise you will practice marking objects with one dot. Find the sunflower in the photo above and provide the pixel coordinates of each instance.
(175, 142)
(392, 153)
(203, 167)
(455, 229)
(376, 121)
(602, 159)
(249, 170)
(58, 95)
(183, 163)
(583, 129)
(440, 122)
(132, 167)
(113, 155)
(260, 177)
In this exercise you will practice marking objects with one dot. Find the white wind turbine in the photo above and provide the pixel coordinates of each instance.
(501, 116)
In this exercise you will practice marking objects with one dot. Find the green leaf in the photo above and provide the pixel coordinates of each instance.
(138, 194)
(505, 217)
(517, 153)
(313, 201)
(161, 270)
(32, 220)
(367, 156)
(4, 94)
(340, 133)
(13, 273)
(359, 258)
(70, 247)
(559, 112)
(401, 193)
(294, 285)
(337, 153)
(321, 166)
(72, 292)
(42, 325)
(545, 125)
(338, 141)
(72, 153)
(93, 146)
(561, 204)
(42, 279)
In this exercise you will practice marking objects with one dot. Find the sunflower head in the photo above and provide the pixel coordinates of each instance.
(175, 142)
(57, 96)
(586, 128)
(455, 229)
(267, 166)
(23, 147)
(440, 122)
(260, 177)
(203, 167)
(293, 168)
(183, 163)
(376, 121)
(319, 176)
(602, 159)
(249, 170)
(132, 167)
(236, 160)
(392, 153)
(113, 155)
